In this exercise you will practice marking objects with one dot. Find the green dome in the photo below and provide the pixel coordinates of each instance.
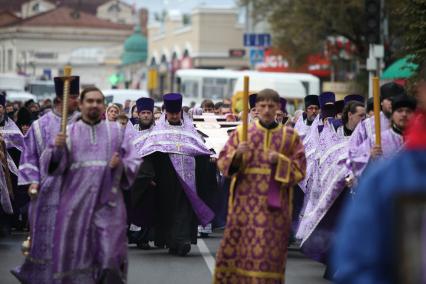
(135, 48)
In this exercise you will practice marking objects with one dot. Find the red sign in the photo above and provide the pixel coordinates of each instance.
(273, 62)
(237, 52)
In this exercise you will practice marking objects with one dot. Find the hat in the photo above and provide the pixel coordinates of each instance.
(3, 98)
(328, 110)
(403, 101)
(326, 98)
(354, 97)
(311, 100)
(145, 104)
(390, 90)
(173, 102)
(24, 117)
(339, 105)
(370, 104)
(283, 103)
(74, 85)
(252, 100)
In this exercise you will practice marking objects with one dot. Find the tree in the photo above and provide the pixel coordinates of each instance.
(301, 27)
(412, 14)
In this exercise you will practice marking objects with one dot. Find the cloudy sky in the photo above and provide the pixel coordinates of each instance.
(183, 5)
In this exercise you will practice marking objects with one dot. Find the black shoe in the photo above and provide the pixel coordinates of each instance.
(183, 249)
(143, 245)
(159, 244)
(173, 251)
(328, 273)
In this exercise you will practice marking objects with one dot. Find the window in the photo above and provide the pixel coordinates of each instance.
(36, 7)
(114, 8)
(215, 88)
(190, 88)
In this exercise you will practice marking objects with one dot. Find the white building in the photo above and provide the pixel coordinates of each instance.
(43, 43)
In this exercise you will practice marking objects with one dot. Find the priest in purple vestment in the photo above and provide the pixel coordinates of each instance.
(403, 107)
(305, 121)
(140, 198)
(254, 114)
(303, 126)
(366, 129)
(96, 161)
(172, 147)
(43, 189)
(11, 140)
(318, 223)
(263, 170)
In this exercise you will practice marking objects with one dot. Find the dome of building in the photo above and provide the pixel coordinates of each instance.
(135, 48)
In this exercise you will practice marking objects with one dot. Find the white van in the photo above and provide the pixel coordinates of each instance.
(119, 96)
(200, 84)
(19, 96)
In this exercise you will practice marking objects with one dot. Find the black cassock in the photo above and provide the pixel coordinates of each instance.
(175, 221)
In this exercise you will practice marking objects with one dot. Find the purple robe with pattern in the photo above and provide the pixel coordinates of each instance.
(302, 128)
(90, 230)
(13, 138)
(329, 183)
(254, 246)
(391, 143)
(182, 143)
(143, 214)
(37, 267)
(311, 143)
(359, 144)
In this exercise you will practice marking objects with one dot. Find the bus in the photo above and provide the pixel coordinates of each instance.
(119, 96)
(42, 89)
(14, 85)
(197, 85)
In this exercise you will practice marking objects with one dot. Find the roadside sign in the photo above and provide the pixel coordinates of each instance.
(237, 52)
(257, 40)
(256, 56)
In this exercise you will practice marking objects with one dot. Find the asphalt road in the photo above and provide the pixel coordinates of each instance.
(158, 267)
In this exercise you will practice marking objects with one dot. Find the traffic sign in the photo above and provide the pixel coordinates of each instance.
(256, 56)
(257, 40)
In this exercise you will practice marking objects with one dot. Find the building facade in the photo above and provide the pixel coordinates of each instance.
(42, 44)
(202, 39)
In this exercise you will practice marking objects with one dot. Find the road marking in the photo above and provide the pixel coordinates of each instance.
(208, 258)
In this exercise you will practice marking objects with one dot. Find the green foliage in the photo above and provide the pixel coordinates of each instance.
(301, 27)
(412, 14)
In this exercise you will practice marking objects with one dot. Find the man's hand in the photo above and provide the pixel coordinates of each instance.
(242, 148)
(60, 140)
(350, 181)
(273, 157)
(115, 160)
(376, 151)
(33, 190)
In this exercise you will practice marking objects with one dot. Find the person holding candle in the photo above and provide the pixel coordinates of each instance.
(378, 217)
(392, 140)
(367, 129)
(43, 189)
(263, 168)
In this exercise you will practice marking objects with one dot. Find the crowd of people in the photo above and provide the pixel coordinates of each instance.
(142, 174)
